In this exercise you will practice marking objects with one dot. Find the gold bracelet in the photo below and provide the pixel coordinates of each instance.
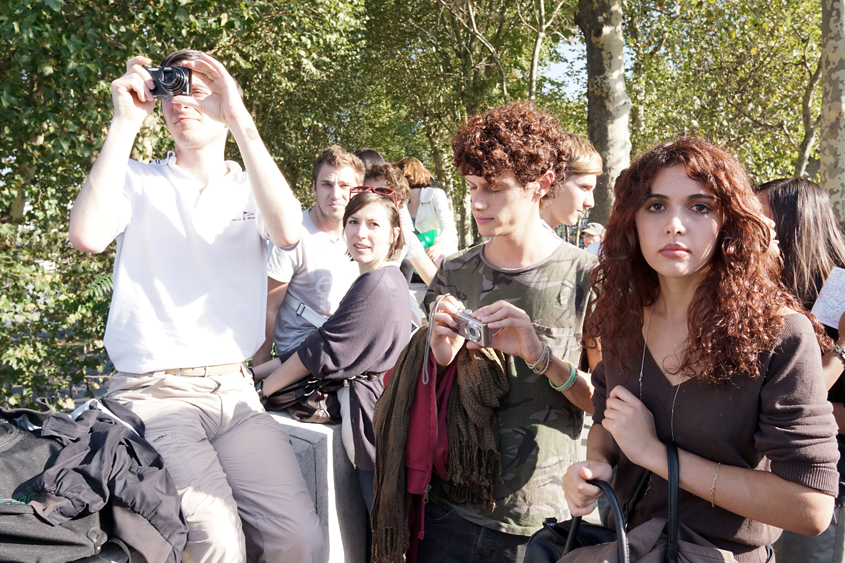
(713, 487)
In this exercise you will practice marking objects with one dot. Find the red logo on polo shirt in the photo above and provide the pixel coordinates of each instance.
(247, 215)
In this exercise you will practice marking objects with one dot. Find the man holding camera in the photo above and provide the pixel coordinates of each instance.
(531, 290)
(188, 304)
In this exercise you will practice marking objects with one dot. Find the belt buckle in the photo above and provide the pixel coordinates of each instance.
(300, 309)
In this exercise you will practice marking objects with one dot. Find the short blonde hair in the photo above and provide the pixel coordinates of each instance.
(584, 158)
(337, 157)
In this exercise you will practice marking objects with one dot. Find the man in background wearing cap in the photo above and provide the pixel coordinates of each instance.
(593, 236)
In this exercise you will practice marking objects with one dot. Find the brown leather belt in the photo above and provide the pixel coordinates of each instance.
(205, 371)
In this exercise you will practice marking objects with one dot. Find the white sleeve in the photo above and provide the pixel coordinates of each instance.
(448, 236)
(123, 214)
(412, 243)
(282, 262)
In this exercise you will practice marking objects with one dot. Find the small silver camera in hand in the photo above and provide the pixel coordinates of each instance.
(170, 81)
(471, 328)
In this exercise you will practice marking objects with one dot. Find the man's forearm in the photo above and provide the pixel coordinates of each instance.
(580, 393)
(279, 207)
(424, 267)
(93, 213)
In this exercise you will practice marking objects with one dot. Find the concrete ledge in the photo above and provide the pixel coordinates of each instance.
(333, 484)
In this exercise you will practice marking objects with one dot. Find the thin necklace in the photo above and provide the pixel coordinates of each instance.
(642, 365)
(645, 345)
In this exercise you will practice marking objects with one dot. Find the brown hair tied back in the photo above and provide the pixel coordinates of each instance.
(735, 314)
(518, 138)
(393, 177)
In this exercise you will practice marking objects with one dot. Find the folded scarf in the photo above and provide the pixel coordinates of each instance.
(473, 436)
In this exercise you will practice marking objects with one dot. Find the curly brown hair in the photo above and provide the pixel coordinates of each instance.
(393, 177)
(735, 313)
(518, 138)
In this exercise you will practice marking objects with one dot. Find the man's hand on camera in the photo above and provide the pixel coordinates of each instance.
(513, 332)
(224, 104)
(133, 101)
(445, 342)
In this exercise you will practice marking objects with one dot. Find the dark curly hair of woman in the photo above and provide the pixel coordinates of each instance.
(736, 312)
(518, 138)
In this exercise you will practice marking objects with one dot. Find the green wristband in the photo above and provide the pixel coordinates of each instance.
(573, 375)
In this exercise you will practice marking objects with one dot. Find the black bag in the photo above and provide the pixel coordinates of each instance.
(309, 400)
(24, 536)
(556, 539)
(313, 400)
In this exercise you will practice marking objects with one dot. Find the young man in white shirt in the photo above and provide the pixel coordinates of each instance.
(306, 282)
(187, 308)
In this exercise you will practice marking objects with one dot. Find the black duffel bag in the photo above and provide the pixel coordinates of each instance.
(24, 536)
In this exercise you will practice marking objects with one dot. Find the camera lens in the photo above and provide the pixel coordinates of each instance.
(473, 333)
(174, 80)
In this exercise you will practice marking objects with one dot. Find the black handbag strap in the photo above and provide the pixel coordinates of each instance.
(639, 492)
(618, 517)
(672, 548)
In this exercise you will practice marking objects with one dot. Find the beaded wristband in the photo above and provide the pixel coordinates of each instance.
(545, 360)
(573, 375)
(839, 351)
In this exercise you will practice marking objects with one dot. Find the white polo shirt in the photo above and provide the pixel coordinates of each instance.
(190, 273)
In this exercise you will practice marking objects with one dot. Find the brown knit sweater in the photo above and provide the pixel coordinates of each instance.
(779, 422)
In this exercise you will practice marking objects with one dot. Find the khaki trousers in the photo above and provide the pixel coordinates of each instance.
(242, 491)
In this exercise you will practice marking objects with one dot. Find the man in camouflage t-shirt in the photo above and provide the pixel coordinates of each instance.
(532, 290)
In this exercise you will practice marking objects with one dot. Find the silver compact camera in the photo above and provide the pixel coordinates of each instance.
(471, 328)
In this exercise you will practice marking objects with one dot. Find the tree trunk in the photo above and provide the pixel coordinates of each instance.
(832, 142)
(539, 35)
(637, 84)
(608, 104)
(466, 235)
(535, 62)
(811, 126)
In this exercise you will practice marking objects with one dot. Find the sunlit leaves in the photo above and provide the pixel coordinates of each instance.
(57, 60)
(733, 71)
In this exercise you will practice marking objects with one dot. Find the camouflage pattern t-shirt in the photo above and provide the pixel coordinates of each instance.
(538, 426)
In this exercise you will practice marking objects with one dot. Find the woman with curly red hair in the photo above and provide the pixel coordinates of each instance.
(702, 346)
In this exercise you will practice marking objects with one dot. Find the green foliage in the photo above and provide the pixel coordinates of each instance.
(57, 61)
(732, 71)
